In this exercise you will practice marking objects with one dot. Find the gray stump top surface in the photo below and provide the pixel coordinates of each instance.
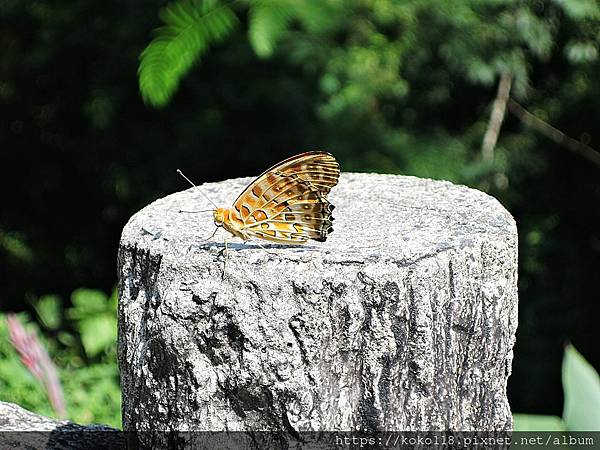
(390, 217)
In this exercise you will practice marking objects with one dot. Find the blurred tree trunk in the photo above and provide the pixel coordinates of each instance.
(497, 117)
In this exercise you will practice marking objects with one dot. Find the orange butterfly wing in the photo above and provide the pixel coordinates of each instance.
(288, 202)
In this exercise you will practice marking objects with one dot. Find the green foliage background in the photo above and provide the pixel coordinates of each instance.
(82, 342)
(96, 113)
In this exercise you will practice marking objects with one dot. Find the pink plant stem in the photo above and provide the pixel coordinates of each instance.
(35, 357)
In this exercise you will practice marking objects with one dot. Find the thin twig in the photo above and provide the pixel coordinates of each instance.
(496, 118)
(552, 133)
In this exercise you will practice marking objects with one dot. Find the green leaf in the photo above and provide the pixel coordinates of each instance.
(94, 394)
(15, 245)
(582, 393)
(97, 333)
(319, 16)
(48, 309)
(87, 302)
(581, 52)
(580, 9)
(113, 301)
(67, 339)
(190, 27)
(269, 20)
(534, 422)
(94, 316)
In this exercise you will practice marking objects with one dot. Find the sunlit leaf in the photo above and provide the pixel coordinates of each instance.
(534, 422)
(581, 52)
(581, 384)
(48, 309)
(268, 22)
(190, 27)
(94, 315)
(87, 302)
(97, 333)
(580, 9)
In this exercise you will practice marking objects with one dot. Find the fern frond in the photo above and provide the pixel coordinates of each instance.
(269, 20)
(190, 27)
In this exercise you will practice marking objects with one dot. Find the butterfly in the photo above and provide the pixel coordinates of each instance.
(287, 203)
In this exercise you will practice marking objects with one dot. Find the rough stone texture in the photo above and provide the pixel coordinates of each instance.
(404, 319)
(22, 429)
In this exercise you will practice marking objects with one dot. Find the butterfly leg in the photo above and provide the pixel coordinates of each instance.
(263, 247)
(214, 232)
(225, 255)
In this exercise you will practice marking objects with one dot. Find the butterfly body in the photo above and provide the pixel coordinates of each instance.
(287, 204)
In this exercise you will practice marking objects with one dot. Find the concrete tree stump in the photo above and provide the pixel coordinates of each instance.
(404, 319)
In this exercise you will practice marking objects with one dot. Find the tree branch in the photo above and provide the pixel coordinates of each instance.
(552, 133)
(496, 118)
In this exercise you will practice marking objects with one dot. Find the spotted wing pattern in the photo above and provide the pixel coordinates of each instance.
(288, 202)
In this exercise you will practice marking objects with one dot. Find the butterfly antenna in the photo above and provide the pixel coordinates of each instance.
(199, 190)
(194, 212)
